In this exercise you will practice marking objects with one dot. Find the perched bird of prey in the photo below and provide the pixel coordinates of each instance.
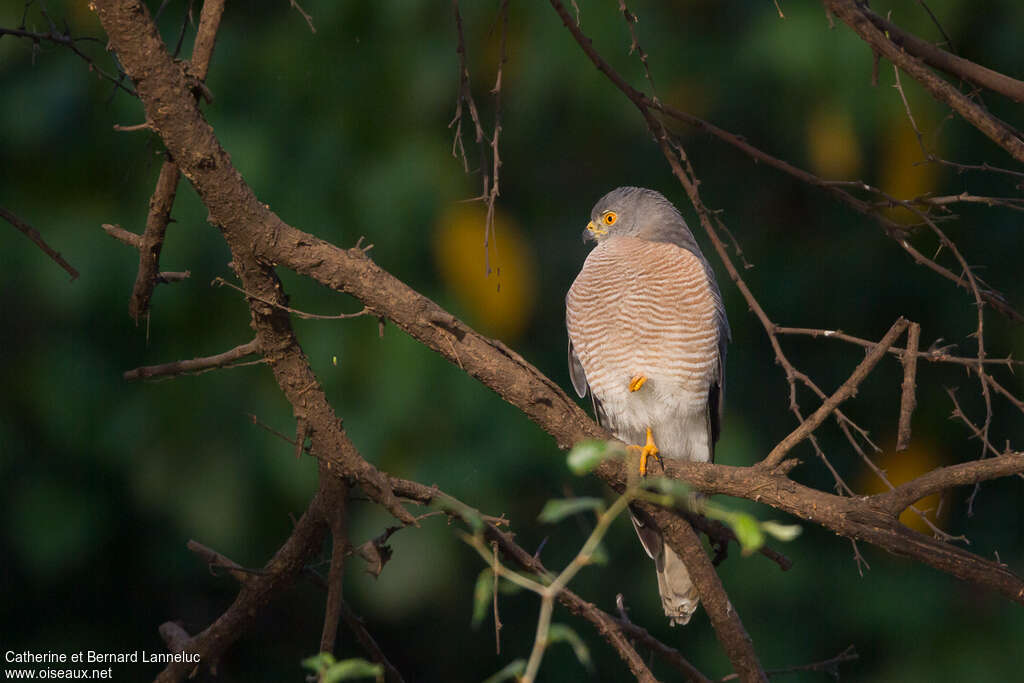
(647, 336)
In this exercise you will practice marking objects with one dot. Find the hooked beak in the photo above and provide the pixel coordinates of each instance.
(593, 231)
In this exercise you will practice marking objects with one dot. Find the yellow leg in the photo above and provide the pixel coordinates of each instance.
(648, 450)
(637, 382)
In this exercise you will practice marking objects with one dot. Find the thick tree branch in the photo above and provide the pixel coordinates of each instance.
(165, 91)
(950, 63)
(938, 480)
(853, 14)
(860, 518)
(257, 591)
(259, 240)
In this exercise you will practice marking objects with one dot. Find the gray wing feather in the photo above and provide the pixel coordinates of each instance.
(579, 377)
(716, 393)
(579, 383)
(650, 538)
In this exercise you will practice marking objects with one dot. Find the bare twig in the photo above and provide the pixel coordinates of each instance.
(221, 282)
(34, 235)
(634, 46)
(124, 236)
(71, 42)
(829, 666)
(215, 559)
(848, 388)
(908, 395)
(152, 240)
(669, 654)
(489, 170)
(309, 20)
(936, 354)
(334, 505)
(194, 365)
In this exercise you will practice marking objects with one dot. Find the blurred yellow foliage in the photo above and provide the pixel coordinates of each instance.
(832, 145)
(901, 468)
(902, 173)
(499, 304)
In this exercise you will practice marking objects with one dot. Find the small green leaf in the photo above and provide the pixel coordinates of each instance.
(783, 532)
(483, 595)
(331, 671)
(319, 662)
(586, 455)
(512, 670)
(747, 530)
(557, 509)
(349, 669)
(746, 527)
(558, 633)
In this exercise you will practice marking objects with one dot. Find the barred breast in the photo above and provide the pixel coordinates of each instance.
(646, 308)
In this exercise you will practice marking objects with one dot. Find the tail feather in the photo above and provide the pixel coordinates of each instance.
(678, 594)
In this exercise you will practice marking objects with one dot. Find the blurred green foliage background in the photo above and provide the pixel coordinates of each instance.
(345, 133)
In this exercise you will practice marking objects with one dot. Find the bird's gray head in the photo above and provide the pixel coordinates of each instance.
(638, 212)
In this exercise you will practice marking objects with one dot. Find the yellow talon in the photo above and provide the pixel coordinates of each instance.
(648, 450)
(634, 385)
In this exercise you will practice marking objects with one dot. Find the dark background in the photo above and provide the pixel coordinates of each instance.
(345, 134)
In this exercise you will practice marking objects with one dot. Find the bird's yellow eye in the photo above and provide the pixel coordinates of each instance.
(610, 217)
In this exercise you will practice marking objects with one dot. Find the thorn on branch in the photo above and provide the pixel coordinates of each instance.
(124, 236)
(128, 129)
(302, 431)
(169, 277)
(214, 560)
